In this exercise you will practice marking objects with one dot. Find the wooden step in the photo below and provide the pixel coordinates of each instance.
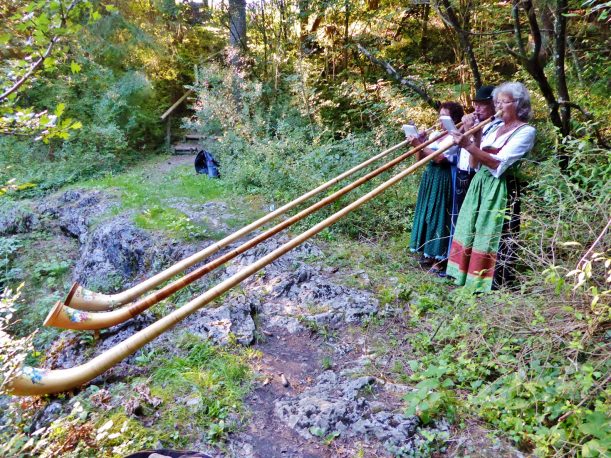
(185, 148)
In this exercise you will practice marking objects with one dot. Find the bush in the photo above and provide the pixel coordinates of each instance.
(266, 146)
(86, 154)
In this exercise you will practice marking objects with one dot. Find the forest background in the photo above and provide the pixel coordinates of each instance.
(293, 92)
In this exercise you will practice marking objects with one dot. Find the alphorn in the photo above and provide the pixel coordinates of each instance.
(62, 316)
(33, 381)
(81, 298)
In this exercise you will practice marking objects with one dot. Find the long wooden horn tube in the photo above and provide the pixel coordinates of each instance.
(62, 316)
(83, 299)
(32, 381)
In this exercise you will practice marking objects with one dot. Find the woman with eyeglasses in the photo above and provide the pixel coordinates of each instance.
(483, 249)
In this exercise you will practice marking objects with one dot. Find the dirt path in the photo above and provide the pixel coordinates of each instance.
(297, 359)
(174, 161)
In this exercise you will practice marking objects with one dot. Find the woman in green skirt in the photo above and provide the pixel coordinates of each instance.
(432, 218)
(483, 249)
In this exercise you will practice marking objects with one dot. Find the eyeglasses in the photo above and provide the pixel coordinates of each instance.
(505, 102)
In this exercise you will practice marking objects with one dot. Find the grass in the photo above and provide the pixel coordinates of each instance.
(531, 364)
(43, 264)
(141, 187)
(504, 358)
(193, 393)
(210, 381)
(153, 198)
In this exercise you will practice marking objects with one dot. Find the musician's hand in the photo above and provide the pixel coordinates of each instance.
(461, 140)
(468, 121)
(413, 140)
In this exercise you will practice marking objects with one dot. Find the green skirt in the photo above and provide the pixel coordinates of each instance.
(473, 255)
(431, 229)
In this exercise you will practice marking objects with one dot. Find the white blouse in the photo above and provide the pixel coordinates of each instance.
(442, 143)
(521, 142)
(451, 153)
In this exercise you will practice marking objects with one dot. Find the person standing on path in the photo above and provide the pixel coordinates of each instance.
(483, 250)
(431, 227)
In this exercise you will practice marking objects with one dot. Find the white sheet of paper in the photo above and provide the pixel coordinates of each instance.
(447, 122)
(410, 130)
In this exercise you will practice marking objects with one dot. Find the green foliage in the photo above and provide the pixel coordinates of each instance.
(13, 351)
(521, 382)
(197, 387)
(148, 193)
(9, 248)
(97, 99)
(50, 271)
(432, 396)
(268, 148)
(326, 438)
(326, 363)
(174, 221)
(35, 35)
(213, 379)
(534, 365)
(29, 164)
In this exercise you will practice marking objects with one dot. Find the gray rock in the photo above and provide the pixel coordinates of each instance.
(44, 417)
(338, 404)
(75, 210)
(348, 304)
(214, 215)
(234, 318)
(72, 349)
(311, 294)
(290, 324)
(389, 428)
(16, 218)
(5, 401)
(115, 253)
(287, 262)
(294, 293)
(332, 405)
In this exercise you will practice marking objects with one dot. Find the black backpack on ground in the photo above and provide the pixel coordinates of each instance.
(206, 164)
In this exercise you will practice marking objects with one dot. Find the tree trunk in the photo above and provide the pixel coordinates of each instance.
(237, 25)
(575, 58)
(265, 40)
(346, 34)
(451, 18)
(425, 25)
(411, 84)
(304, 16)
(562, 9)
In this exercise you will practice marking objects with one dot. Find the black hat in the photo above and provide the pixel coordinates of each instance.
(483, 94)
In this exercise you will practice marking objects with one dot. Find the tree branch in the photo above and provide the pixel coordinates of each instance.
(518, 56)
(39, 62)
(534, 28)
(598, 239)
(29, 73)
(404, 81)
(463, 38)
(562, 8)
(515, 13)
